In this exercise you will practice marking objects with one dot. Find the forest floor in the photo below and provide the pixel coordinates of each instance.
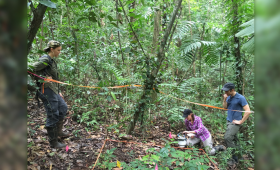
(84, 145)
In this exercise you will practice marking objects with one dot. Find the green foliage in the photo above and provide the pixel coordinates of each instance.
(248, 31)
(165, 158)
(189, 44)
(48, 3)
(105, 160)
(195, 71)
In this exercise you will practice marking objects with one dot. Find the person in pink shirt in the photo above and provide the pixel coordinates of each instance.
(195, 126)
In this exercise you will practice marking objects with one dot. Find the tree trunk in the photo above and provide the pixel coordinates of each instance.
(149, 83)
(117, 17)
(157, 30)
(75, 38)
(51, 24)
(200, 62)
(42, 34)
(238, 71)
(225, 68)
(173, 30)
(133, 38)
(164, 17)
(38, 15)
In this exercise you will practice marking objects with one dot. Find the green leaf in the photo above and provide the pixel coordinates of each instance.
(91, 2)
(102, 15)
(114, 24)
(145, 157)
(80, 19)
(246, 31)
(131, 10)
(134, 15)
(133, 42)
(127, 49)
(105, 88)
(32, 67)
(249, 46)
(119, 9)
(128, 2)
(47, 3)
(251, 22)
(51, 154)
(92, 17)
(155, 157)
(113, 95)
(110, 18)
(41, 52)
(156, 90)
(109, 98)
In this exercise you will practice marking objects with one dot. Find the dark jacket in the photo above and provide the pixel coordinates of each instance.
(47, 66)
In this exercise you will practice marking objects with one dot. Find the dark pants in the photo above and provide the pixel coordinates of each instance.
(55, 106)
(230, 137)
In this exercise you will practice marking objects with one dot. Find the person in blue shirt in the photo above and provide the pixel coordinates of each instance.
(235, 103)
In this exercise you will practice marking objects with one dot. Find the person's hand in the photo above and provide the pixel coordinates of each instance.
(48, 77)
(61, 95)
(238, 122)
(185, 132)
(225, 96)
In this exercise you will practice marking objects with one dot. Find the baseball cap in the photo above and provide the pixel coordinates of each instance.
(228, 86)
(52, 44)
(186, 112)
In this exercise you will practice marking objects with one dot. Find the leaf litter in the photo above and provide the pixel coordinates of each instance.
(83, 148)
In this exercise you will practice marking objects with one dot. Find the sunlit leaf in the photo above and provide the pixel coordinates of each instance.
(48, 3)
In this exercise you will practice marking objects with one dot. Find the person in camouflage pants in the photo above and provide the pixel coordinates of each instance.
(48, 92)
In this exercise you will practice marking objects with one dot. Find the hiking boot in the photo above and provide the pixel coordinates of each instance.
(52, 135)
(220, 148)
(235, 157)
(60, 133)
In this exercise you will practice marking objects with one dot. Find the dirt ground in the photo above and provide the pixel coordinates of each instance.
(84, 146)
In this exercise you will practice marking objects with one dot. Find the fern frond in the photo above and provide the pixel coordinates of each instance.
(211, 54)
(183, 29)
(186, 59)
(191, 47)
(208, 43)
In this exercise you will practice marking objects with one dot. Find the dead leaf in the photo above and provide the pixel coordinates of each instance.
(112, 36)
(65, 122)
(42, 127)
(32, 167)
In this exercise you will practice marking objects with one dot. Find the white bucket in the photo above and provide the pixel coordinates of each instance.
(182, 141)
